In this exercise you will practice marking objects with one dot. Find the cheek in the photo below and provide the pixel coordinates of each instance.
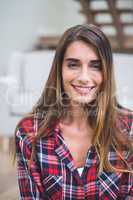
(99, 78)
(67, 76)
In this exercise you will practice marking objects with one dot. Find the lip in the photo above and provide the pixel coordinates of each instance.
(83, 90)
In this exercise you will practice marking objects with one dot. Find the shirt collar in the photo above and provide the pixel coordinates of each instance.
(65, 156)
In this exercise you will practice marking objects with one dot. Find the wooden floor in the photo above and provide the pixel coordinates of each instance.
(8, 178)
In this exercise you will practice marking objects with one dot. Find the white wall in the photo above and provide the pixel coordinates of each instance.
(123, 64)
(22, 21)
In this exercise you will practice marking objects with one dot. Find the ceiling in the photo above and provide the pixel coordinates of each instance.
(114, 17)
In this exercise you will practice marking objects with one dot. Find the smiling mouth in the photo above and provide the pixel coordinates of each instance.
(83, 89)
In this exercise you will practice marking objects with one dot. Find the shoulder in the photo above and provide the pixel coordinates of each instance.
(25, 133)
(125, 120)
(27, 126)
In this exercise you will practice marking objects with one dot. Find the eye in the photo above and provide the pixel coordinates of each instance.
(73, 65)
(97, 65)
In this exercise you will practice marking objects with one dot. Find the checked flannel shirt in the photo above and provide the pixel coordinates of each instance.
(53, 176)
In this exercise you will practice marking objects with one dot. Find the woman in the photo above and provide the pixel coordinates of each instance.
(77, 141)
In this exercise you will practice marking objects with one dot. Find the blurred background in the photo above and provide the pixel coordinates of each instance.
(30, 31)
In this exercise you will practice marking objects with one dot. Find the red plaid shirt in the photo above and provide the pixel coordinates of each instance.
(53, 175)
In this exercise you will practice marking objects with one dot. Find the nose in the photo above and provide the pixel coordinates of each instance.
(84, 75)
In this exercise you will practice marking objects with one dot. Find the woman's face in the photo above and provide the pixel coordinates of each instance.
(81, 72)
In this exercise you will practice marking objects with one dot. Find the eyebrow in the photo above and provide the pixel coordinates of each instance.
(97, 60)
(72, 59)
(77, 60)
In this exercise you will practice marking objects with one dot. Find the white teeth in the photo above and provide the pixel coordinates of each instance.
(83, 89)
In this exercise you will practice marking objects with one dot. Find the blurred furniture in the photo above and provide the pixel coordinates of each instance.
(114, 17)
(22, 86)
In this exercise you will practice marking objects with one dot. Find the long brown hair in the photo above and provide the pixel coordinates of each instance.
(51, 106)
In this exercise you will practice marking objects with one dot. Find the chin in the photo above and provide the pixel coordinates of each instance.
(82, 100)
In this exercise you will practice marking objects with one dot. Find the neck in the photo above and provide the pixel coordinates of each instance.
(76, 124)
(77, 117)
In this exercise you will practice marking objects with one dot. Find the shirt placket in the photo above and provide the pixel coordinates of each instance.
(65, 157)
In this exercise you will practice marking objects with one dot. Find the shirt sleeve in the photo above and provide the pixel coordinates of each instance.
(130, 159)
(130, 195)
(27, 187)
